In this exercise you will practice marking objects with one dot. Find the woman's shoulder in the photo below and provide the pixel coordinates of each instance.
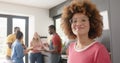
(98, 45)
(16, 43)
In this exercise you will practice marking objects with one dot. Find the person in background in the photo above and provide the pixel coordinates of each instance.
(18, 50)
(10, 39)
(82, 21)
(55, 45)
(36, 48)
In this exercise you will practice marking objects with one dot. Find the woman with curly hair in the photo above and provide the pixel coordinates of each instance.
(82, 21)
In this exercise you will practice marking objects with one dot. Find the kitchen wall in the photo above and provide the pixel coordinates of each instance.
(39, 19)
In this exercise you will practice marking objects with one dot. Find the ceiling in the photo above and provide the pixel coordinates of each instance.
(46, 4)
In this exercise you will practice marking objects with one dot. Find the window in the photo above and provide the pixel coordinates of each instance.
(7, 24)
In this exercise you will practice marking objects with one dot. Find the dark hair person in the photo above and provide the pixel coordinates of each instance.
(55, 45)
(10, 39)
(82, 21)
(18, 51)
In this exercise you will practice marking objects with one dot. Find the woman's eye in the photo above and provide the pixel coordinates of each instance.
(74, 21)
(83, 20)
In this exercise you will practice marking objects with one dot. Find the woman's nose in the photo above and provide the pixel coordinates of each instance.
(78, 22)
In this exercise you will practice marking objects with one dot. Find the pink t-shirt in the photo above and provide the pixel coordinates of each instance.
(37, 46)
(94, 53)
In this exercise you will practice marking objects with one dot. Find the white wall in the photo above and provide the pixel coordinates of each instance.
(38, 18)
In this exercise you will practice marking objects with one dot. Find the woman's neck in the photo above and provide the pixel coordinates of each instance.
(83, 42)
(19, 40)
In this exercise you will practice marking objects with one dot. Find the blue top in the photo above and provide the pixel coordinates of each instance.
(17, 52)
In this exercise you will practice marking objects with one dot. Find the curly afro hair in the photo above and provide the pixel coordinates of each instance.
(87, 8)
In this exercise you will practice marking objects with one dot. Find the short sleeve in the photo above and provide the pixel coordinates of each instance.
(9, 39)
(56, 41)
(102, 56)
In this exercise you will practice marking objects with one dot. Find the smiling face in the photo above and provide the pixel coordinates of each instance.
(51, 31)
(80, 24)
